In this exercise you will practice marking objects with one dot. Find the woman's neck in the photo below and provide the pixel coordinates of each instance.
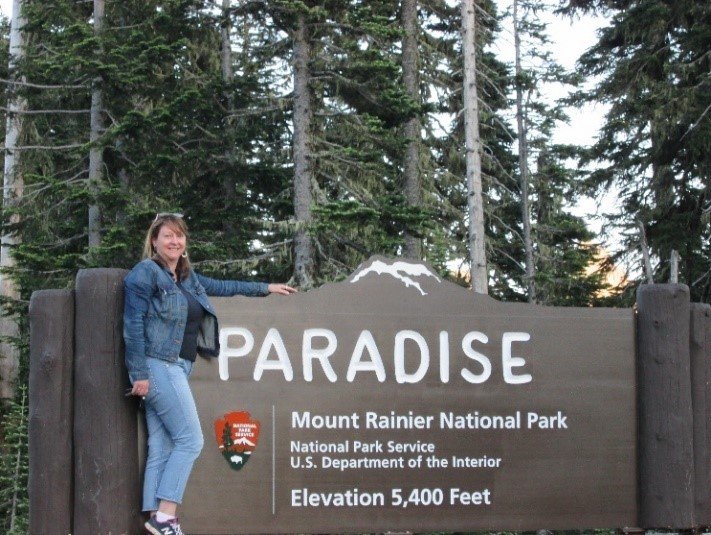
(172, 266)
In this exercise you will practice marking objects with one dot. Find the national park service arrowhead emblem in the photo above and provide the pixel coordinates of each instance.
(237, 435)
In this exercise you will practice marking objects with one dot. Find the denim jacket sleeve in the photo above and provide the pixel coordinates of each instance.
(228, 288)
(137, 295)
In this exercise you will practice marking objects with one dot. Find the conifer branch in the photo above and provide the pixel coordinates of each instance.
(40, 112)
(206, 132)
(698, 121)
(353, 245)
(485, 14)
(702, 277)
(34, 190)
(60, 243)
(127, 27)
(345, 186)
(45, 147)
(506, 226)
(513, 260)
(340, 266)
(269, 252)
(434, 119)
(248, 112)
(43, 86)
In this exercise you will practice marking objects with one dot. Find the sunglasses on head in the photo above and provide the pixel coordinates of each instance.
(167, 214)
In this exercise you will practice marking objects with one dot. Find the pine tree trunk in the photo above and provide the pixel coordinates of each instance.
(303, 197)
(228, 182)
(523, 164)
(226, 47)
(410, 76)
(645, 253)
(13, 186)
(475, 201)
(96, 153)
(122, 172)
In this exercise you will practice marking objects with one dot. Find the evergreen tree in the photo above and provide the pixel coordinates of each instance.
(653, 65)
(96, 121)
(364, 140)
(12, 48)
(14, 500)
(558, 247)
(412, 128)
(442, 66)
(523, 148)
(569, 268)
(351, 134)
(475, 203)
(164, 148)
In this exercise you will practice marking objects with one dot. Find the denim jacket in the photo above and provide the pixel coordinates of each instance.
(155, 312)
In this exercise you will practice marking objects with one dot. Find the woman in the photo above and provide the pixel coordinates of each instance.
(168, 320)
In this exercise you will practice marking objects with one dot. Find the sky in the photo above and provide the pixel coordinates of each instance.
(571, 39)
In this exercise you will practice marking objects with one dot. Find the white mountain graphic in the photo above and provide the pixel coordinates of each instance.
(401, 271)
(243, 442)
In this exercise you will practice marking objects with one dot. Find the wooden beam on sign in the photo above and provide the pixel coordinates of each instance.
(51, 411)
(700, 346)
(107, 487)
(665, 423)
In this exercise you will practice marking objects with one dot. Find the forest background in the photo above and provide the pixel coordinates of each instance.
(299, 137)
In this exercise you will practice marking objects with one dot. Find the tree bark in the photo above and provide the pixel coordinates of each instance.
(674, 267)
(226, 48)
(665, 421)
(51, 417)
(410, 77)
(13, 186)
(303, 171)
(475, 201)
(523, 163)
(645, 253)
(96, 153)
(105, 442)
(124, 177)
(228, 182)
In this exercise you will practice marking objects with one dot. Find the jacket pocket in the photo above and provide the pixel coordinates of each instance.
(167, 301)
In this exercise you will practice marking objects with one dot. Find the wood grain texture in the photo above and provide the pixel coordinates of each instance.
(107, 487)
(51, 411)
(700, 346)
(665, 425)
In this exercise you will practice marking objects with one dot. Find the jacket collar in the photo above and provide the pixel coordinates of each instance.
(166, 271)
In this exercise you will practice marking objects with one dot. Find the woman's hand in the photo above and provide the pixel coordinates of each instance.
(140, 388)
(281, 289)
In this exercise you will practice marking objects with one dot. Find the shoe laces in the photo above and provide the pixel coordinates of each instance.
(176, 527)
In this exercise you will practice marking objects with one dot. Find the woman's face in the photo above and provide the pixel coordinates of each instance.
(169, 244)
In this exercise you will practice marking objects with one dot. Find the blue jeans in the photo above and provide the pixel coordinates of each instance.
(174, 434)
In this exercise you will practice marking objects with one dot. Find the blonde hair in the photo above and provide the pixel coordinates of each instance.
(176, 223)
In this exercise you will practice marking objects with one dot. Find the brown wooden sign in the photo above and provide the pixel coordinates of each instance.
(398, 401)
